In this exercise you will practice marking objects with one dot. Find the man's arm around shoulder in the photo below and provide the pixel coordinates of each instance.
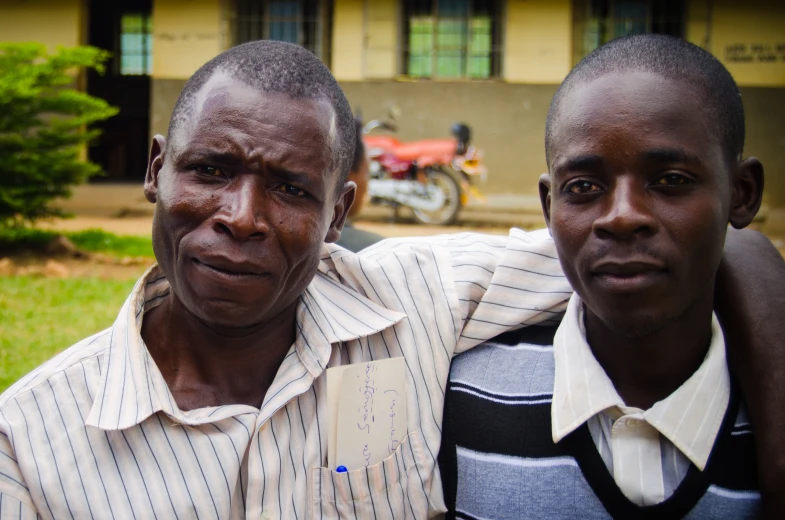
(750, 302)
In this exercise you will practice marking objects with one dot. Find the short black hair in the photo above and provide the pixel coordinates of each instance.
(359, 146)
(671, 58)
(272, 66)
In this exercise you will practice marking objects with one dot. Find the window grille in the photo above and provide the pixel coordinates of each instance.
(452, 38)
(136, 44)
(600, 21)
(304, 22)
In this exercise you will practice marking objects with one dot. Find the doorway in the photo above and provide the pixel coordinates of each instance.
(123, 27)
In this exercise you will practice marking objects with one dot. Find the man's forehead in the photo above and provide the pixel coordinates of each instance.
(222, 90)
(640, 91)
(621, 99)
(223, 98)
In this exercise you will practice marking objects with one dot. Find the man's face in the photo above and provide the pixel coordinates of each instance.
(639, 199)
(246, 195)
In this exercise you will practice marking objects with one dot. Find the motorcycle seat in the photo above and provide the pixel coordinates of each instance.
(417, 150)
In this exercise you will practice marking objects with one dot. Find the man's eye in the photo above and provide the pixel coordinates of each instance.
(580, 187)
(672, 179)
(211, 171)
(291, 190)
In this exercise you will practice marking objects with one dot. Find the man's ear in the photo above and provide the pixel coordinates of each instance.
(545, 197)
(746, 192)
(154, 165)
(343, 202)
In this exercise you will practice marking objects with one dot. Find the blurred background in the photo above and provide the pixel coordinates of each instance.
(424, 64)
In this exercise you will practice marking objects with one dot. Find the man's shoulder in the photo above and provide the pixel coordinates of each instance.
(392, 258)
(70, 360)
(356, 239)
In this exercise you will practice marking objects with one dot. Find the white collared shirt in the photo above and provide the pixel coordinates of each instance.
(648, 452)
(95, 432)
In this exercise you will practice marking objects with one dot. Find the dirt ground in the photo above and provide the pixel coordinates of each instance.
(60, 267)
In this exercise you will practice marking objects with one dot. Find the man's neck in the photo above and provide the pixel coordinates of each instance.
(204, 366)
(647, 369)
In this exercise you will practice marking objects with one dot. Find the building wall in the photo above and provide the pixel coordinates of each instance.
(52, 22)
(348, 51)
(538, 41)
(186, 33)
(507, 114)
(765, 114)
(381, 39)
(749, 38)
(507, 121)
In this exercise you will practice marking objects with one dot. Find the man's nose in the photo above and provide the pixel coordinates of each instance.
(627, 211)
(242, 213)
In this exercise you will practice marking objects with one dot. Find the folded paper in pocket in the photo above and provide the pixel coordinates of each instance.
(367, 412)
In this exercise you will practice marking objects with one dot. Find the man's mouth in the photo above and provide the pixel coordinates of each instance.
(628, 276)
(229, 269)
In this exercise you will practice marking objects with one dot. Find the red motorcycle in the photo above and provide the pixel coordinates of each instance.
(433, 177)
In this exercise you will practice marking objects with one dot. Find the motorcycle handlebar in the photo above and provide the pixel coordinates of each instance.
(373, 125)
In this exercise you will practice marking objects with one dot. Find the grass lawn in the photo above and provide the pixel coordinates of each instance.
(93, 240)
(40, 317)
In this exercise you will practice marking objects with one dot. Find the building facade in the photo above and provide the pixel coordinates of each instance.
(493, 64)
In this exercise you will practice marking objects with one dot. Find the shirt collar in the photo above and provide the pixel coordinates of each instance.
(132, 387)
(690, 417)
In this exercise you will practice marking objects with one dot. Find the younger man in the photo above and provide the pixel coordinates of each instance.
(631, 412)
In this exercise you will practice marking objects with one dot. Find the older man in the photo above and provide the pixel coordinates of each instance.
(207, 397)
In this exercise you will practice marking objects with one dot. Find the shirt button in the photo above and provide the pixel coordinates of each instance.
(632, 423)
(266, 516)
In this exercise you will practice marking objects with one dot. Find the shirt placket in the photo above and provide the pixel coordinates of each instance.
(637, 461)
(268, 496)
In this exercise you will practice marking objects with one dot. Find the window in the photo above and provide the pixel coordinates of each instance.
(136, 44)
(452, 38)
(599, 21)
(304, 22)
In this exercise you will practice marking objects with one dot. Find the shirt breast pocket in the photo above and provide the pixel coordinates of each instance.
(395, 488)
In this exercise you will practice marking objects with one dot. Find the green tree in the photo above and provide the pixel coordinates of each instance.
(44, 127)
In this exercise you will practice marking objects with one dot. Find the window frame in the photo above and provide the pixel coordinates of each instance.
(321, 17)
(495, 54)
(147, 44)
(582, 16)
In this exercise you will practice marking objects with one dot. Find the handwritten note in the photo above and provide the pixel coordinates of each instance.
(367, 412)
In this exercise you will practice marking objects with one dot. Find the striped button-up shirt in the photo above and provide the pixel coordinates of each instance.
(95, 432)
(648, 452)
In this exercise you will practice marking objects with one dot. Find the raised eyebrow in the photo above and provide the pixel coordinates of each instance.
(580, 163)
(292, 176)
(671, 155)
(212, 157)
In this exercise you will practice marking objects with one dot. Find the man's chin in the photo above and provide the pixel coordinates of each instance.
(228, 318)
(635, 324)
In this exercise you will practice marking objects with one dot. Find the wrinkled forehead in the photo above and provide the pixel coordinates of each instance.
(226, 103)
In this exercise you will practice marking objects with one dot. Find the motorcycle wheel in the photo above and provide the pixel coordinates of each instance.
(448, 213)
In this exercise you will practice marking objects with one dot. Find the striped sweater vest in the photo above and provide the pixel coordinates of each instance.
(498, 458)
